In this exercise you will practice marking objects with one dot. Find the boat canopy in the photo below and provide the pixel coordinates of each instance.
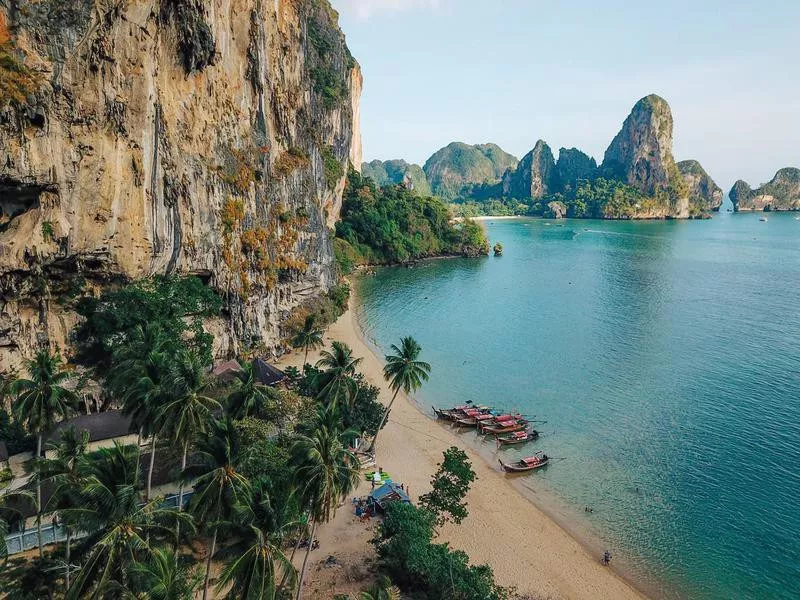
(531, 460)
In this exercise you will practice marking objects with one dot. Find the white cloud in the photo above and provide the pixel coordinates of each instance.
(364, 9)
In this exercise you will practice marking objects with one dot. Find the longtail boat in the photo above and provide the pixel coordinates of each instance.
(474, 419)
(497, 420)
(506, 427)
(526, 464)
(518, 437)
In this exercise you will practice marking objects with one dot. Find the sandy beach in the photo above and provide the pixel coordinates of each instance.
(526, 548)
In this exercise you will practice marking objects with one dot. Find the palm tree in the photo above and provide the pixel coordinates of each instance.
(139, 377)
(326, 472)
(119, 525)
(64, 472)
(7, 513)
(41, 400)
(163, 578)
(404, 371)
(221, 493)
(190, 412)
(308, 337)
(250, 396)
(382, 590)
(336, 382)
(252, 574)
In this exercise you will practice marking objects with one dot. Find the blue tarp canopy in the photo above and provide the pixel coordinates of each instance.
(388, 493)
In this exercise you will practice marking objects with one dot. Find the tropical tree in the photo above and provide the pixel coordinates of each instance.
(336, 382)
(190, 412)
(249, 396)
(382, 590)
(222, 494)
(7, 513)
(404, 371)
(308, 337)
(164, 578)
(326, 472)
(120, 527)
(252, 574)
(64, 472)
(42, 399)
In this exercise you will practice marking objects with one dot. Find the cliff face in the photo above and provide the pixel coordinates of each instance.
(534, 177)
(173, 136)
(397, 172)
(703, 192)
(572, 166)
(781, 193)
(641, 153)
(459, 165)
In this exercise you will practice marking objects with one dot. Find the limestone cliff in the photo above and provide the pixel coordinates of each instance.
(173, 136)
(534, 177)
(781, 193)
(573, 166)
(703, 192)
(397, 172)
(457, 166)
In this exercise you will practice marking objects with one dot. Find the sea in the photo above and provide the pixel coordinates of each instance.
(661, 361)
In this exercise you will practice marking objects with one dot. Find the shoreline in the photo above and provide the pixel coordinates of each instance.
(527, 546)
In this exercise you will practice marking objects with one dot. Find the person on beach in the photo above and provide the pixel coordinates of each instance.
(607, 558)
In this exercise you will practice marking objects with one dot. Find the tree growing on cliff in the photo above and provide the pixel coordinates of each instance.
(450, 486)
(404, 371)
(308, 337)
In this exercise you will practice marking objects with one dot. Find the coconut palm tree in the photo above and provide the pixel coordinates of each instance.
(326, 472)
(249, 396)
(139, 377)
(190, 412)
(404, 371)
(64, 472)
(164, 578)
(221, 493)
(7, 513)
(118, 524)
(253, 572)
(41, 401)
(335, 381)
(382, 590)
(308, 337)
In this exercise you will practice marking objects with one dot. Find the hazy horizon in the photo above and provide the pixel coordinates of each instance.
(438, 71)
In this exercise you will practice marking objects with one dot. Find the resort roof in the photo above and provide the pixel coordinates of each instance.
(101, 426)
(226, 371)
(266, 373)
(389, 492)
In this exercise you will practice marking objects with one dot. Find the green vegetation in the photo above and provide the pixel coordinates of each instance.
(333, 168)
(330, 60)
(392, 225)
(176, 306)
(404, 371)
(411, 559)
(459, 165)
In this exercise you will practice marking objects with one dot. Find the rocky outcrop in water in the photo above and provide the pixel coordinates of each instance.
(458, 166)
(781, 193)
(534, 177)
(703, 192)
(397, 172)
(173, 136)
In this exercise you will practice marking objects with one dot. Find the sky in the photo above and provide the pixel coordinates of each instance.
(514, 71)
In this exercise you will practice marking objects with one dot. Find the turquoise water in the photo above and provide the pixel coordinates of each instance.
(665, 357)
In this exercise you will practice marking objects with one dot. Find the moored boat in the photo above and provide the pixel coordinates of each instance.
(528, 463)
(518, 437)
(506, 427)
